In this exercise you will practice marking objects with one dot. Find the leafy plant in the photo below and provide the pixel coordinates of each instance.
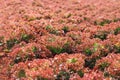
(90, 63)
(65, 29)
(51, 30)
(103, 65)
(34, 49)
(73, 60)
(102, 23)
(48, 27)
(21, 73)
(58, 50)
(36, 52)
(117, 31)
(106, 21)
(10, 43)
(55, 50)
(101, 35)
(80, 73)
(26, 37)
(95, 46)
(88, 52)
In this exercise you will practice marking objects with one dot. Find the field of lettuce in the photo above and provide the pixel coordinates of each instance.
(59, 39)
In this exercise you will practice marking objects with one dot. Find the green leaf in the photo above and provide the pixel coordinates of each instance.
(117, 31)
(26, 37)
(55, 50)
(34, 49)
(95, 46)
(10, 43)
(105, 22)
(21, 73)
(103, 65)
(65, 29)
(88, 52)
(73, 60)
(48, 27)
(80, 73)
(54, 31)
(101, 35)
